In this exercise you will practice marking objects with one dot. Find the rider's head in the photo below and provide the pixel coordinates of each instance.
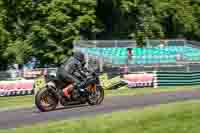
(79, 56)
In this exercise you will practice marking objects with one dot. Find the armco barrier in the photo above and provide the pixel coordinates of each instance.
(18, 87)
(153, 79)
(140, 80)
(178, 78)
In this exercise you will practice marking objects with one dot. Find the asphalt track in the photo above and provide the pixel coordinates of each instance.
(28, 116)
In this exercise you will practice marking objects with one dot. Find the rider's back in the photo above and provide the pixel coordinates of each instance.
(70, 65)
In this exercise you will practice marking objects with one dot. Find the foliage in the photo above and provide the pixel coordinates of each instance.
(159, 18)
(46, 29)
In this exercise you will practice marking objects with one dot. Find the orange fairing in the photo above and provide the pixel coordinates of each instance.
(92, 88)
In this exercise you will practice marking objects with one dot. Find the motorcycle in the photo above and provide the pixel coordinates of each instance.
(48, 97)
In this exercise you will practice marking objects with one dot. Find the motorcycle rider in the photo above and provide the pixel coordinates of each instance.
(73, 69)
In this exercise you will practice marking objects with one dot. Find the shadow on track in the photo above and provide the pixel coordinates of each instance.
(63, 108)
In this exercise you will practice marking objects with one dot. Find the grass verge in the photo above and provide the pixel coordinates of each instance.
(28, 101)
(181, 117)
(141, 91)
(15, 102)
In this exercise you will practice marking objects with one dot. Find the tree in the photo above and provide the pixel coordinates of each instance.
(140, 19)
(58, 24)
(46, 29)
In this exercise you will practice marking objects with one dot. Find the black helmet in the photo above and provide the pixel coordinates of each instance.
(79, 56)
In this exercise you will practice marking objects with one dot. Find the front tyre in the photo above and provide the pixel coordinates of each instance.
(101, 96)
(46, 100)
(96, 95)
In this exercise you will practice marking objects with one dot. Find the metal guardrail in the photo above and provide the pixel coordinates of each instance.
(104, 43)
(26, 74)
(128, 43)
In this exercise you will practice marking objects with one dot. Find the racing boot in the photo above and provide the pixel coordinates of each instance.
(66, 91)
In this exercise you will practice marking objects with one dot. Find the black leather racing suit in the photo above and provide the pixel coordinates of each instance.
(72, 70)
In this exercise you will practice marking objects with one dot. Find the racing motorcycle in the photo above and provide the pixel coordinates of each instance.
(49, 96)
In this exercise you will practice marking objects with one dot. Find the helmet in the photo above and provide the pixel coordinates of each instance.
(79, 56)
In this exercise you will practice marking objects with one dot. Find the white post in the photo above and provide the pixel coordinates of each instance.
(116, 43)
(148, 44)
(155, 80)
(101, 64)
(185, 42)
(187, 67)
(87, 60)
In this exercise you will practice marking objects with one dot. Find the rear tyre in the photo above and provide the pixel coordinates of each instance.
(46, 100)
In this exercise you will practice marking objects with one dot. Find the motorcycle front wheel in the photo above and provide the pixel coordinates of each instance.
(96, 94)
(46, 100)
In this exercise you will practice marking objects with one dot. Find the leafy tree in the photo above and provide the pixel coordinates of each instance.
(46, 29)
(58, 24)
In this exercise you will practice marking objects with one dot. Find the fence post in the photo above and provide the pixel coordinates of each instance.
(101, 64)
(116, 42)
(87, 60)
(185, 42)
(147, 42)
(187, 67)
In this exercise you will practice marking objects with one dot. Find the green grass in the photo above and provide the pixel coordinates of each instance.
(28, 101)
(182, 117)
(15, 102)
(141, 91)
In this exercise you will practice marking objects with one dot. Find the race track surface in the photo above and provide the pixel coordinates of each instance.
(28, 116)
